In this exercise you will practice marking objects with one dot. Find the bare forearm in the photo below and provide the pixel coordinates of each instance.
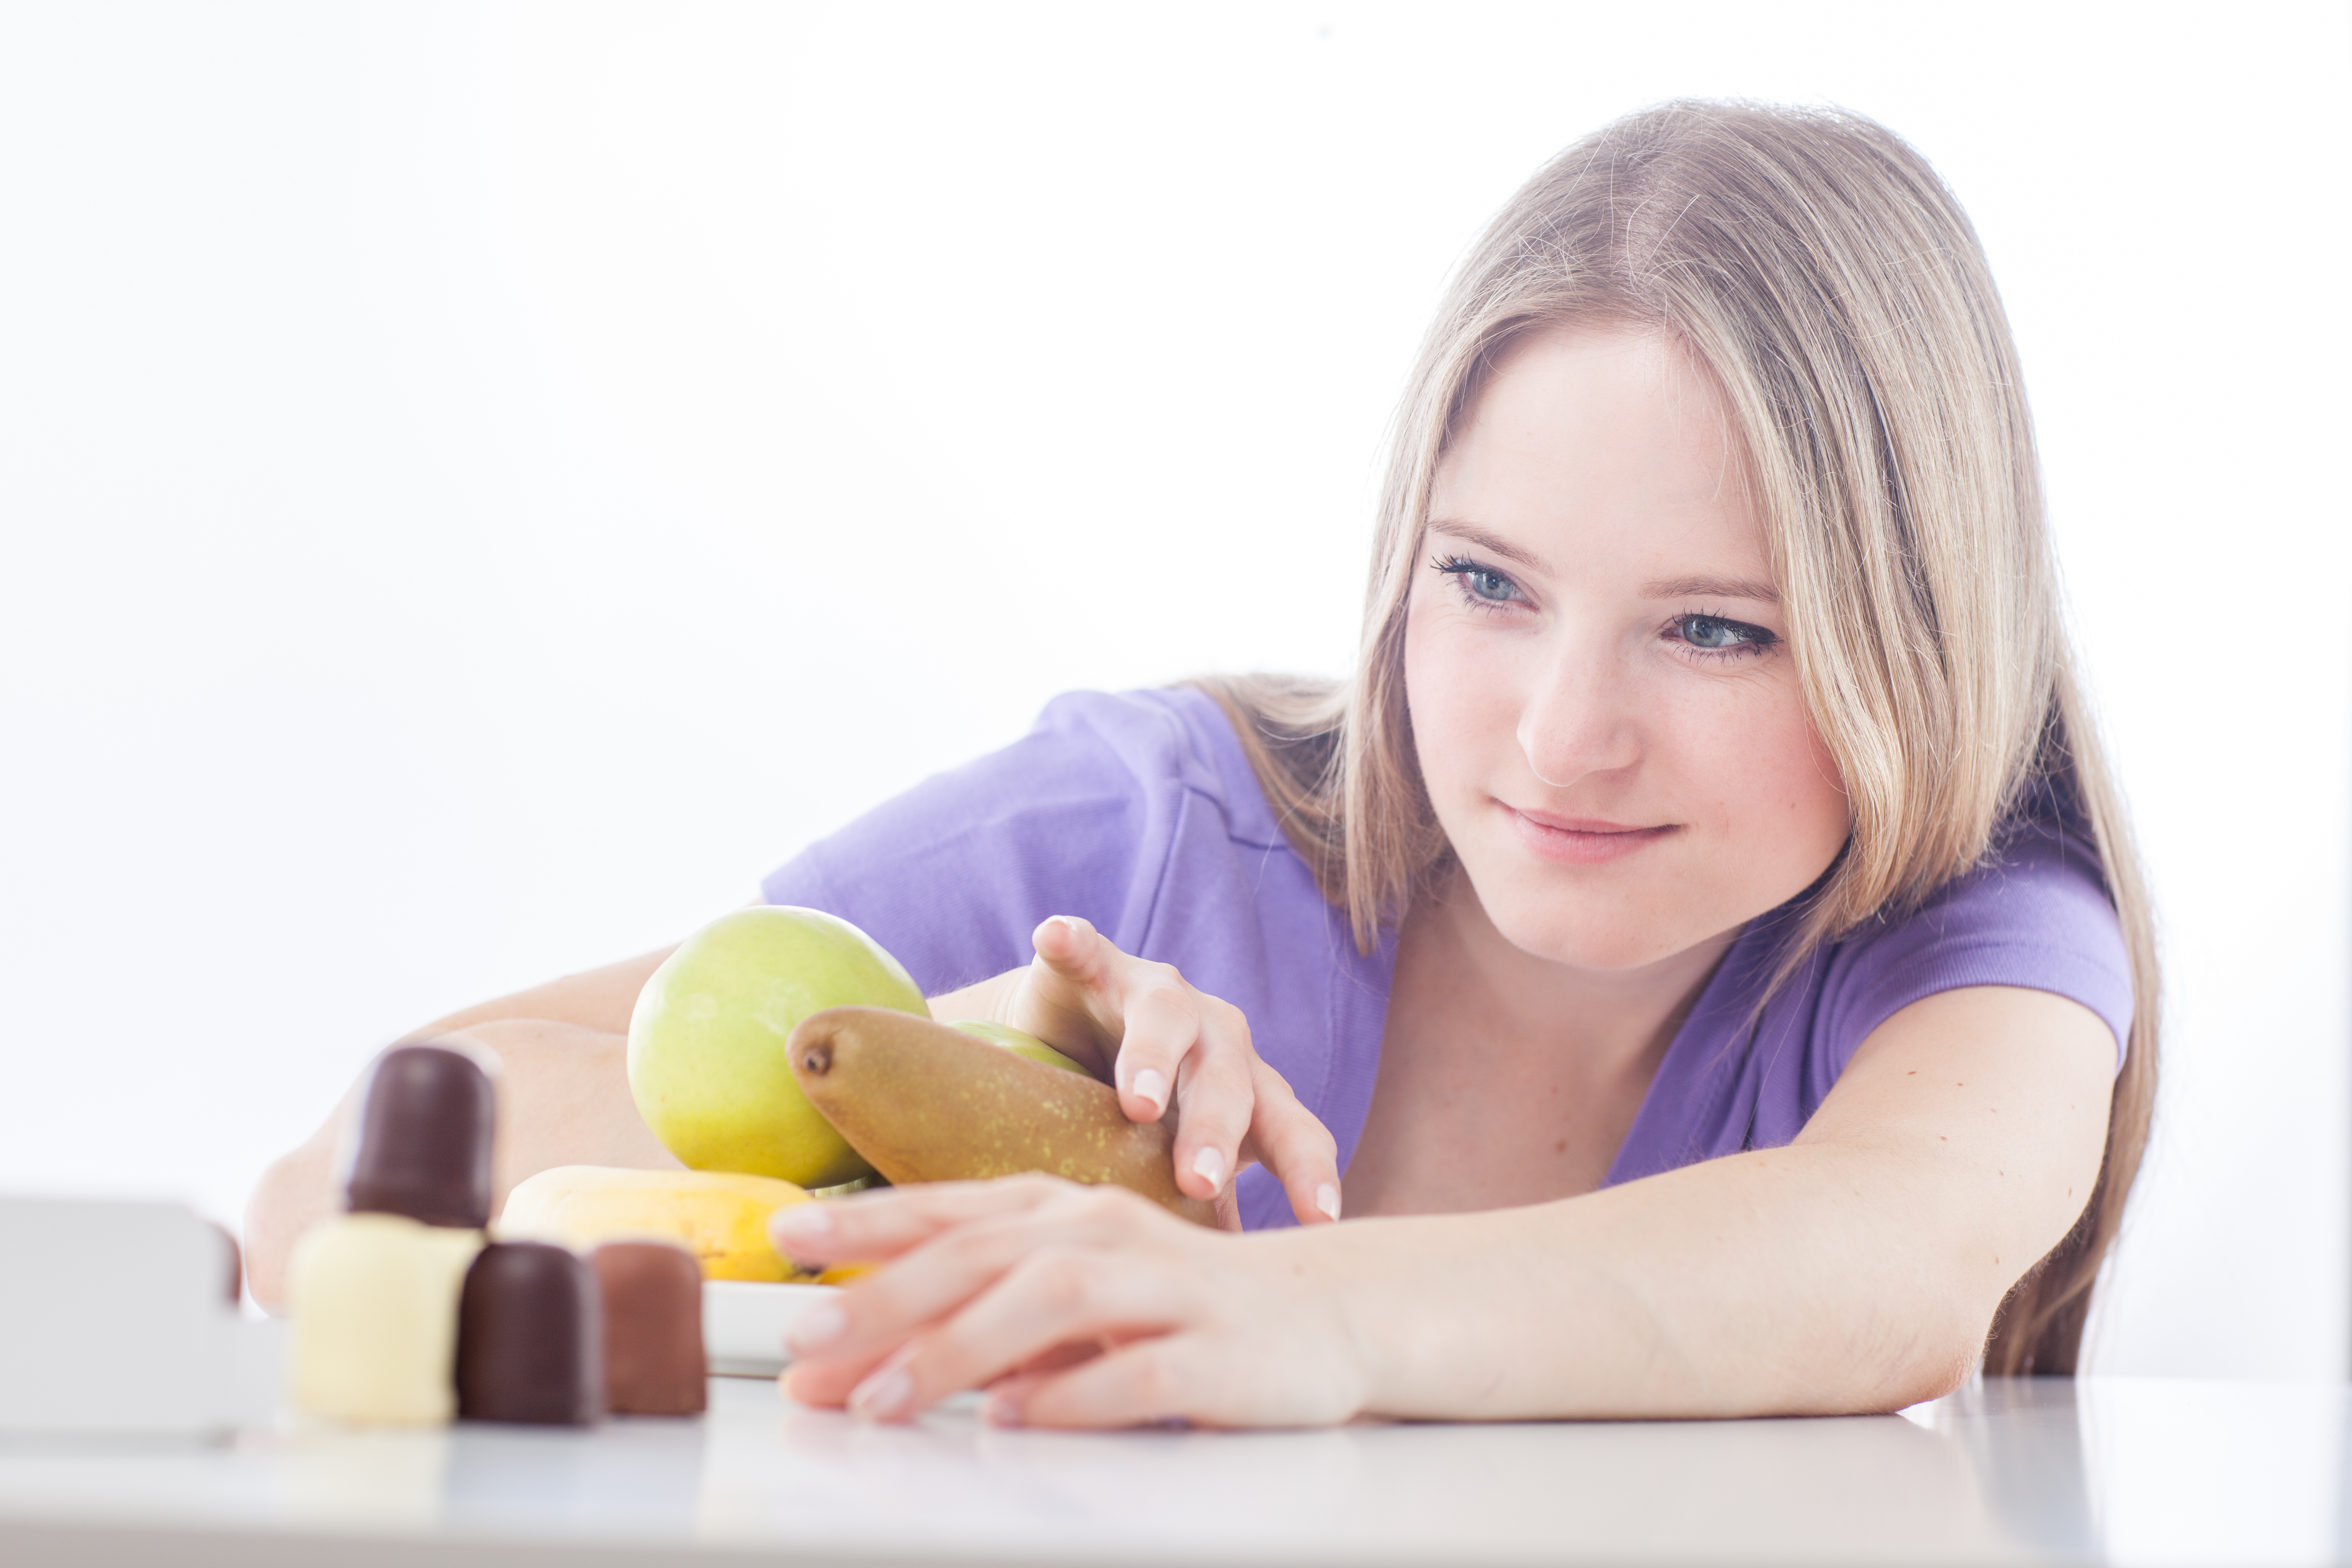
(563, 1100)
(1858, 1268)
(1790, 1281)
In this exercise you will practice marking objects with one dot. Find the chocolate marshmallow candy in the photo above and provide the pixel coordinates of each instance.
(231, 1264)
(424, 1145)
(374, 1299)
(653, 1328)
(530, 1340)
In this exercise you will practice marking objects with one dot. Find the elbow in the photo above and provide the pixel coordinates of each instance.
(1939, 1353)
(1899, 1351)
(1935, 1371)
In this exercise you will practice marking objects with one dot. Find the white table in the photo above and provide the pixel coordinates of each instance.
(2121, 1471)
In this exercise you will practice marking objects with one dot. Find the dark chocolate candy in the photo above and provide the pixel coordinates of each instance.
(424, 1148)
(531, 1338)
(233, 1263)
(653, 1328)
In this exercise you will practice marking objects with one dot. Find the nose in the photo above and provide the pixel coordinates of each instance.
(1582, 715)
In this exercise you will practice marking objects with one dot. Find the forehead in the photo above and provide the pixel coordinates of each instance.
(1592, 436)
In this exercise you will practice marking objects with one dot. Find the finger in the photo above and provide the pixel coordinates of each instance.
(827, 1384)
(1140, 1383)
(946, 1272)
(1069, 996)
(1229, 1207)
(1214, 1093)
(1163, 1024)
(1079, 975)
(1053, 1298)
(1058, 1357)
(1291, 1141)
(1192, 1374)
(1007, 1395)
(873, 1225)
(1074, 949)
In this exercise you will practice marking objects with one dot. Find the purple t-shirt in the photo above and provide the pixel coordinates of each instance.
(1139, 812)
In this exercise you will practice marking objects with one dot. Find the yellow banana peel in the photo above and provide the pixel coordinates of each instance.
(719, 1216)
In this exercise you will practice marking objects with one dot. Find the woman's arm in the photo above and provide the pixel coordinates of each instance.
(1857, 1269)
(563, 1100)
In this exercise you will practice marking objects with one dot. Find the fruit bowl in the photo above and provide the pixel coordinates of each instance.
(744, 1321)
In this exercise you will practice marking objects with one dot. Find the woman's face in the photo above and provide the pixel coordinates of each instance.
(1603, 699)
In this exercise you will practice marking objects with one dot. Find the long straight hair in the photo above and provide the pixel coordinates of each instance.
(1822, 273)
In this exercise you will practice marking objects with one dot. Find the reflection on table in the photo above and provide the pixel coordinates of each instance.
(2013, 1470)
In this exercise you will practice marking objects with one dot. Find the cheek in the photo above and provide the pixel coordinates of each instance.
(1777, 796)
(1460, 699)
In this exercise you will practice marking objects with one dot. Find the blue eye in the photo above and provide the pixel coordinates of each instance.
(1714, 634)
(1479, 584)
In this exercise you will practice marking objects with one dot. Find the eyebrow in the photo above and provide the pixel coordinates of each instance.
(1471, 533)
(1712, 588)
(1747, 588)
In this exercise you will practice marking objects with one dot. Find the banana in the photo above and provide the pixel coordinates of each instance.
(719, 1216)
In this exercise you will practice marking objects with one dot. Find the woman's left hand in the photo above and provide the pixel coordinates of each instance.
(1075, 1306)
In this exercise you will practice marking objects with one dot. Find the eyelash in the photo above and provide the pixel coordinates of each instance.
(1461, 568)
(1753, 641)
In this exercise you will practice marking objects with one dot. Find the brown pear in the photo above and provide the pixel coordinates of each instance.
(925, 1102)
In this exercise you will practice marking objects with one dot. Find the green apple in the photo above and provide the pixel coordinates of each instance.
(706, 1062)
(1019, 1044)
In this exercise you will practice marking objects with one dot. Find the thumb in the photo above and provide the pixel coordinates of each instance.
(1072, 950)
(1066, 996)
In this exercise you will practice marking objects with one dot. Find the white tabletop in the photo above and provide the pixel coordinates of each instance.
(2117, 1470)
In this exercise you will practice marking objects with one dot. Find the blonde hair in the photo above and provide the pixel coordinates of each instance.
(1819, 268)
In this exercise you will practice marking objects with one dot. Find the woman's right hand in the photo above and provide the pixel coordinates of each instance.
(1083, 1307)
(1165, 1043)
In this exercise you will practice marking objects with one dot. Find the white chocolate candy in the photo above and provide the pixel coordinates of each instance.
(375, 1303)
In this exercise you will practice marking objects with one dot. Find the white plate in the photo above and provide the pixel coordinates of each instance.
(744, 1323)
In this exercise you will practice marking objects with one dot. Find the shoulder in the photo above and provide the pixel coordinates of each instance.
(1761, 1050)
(1093, 764)
(1127, 808)
(1172, 738)
(2036, 915)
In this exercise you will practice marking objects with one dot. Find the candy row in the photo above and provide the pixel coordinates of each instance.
(403, 1312)
(400, 1322)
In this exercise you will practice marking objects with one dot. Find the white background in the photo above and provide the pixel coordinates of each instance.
(482, 484)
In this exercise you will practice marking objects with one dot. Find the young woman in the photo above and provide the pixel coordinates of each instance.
(1703, 935)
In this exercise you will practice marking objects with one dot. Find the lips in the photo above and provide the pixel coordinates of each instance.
(1578, 840)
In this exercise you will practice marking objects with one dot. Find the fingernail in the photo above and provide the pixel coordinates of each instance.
(1210, 1166)
(802, 1222)
(1151, 1087)
(1327, 1198)
(1001, 1410)
(886, 1394)
(817, 1328)
(1072, 924)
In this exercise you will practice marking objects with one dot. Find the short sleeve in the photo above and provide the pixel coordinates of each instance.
(1082, 816)
(2038, 918)
(1754, 1059)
